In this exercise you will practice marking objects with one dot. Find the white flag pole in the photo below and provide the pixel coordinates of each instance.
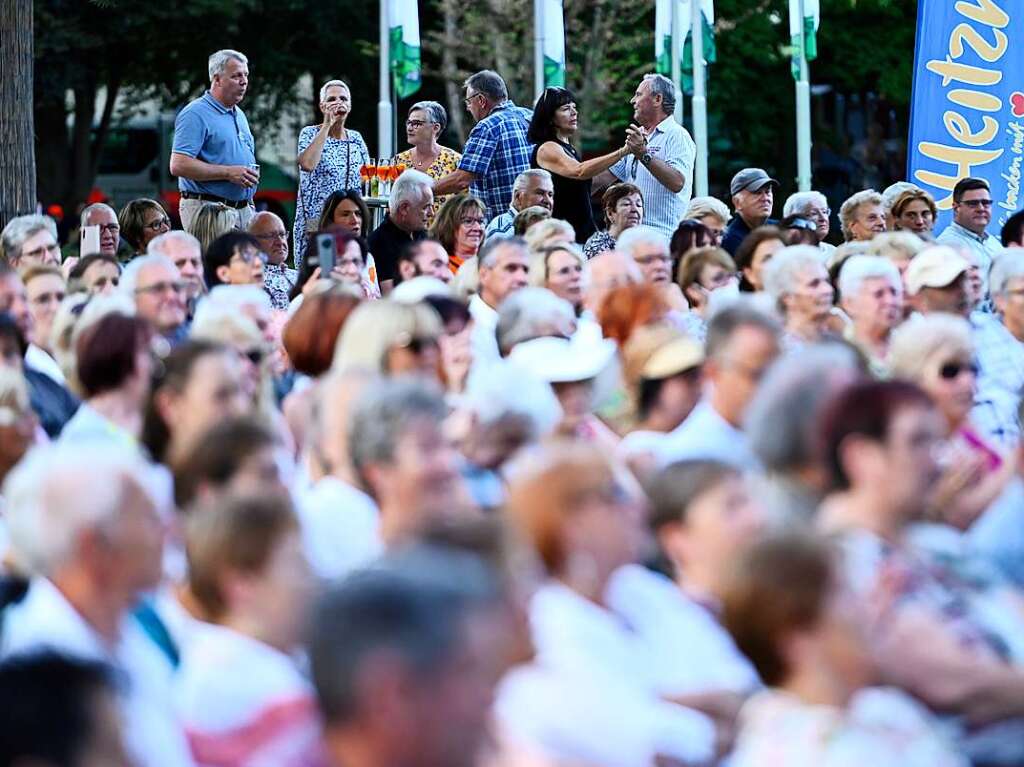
(803, 112)
(677, 42)
(384, 113)
(538, 49)
(700, 116)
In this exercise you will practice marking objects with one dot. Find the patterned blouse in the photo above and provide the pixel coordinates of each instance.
(337, 170)
(445, 163)
(598, 243)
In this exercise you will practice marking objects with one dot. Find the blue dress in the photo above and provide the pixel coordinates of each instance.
(337, 170)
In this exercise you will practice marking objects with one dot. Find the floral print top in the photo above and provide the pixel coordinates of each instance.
(445, 163)
(337, 170)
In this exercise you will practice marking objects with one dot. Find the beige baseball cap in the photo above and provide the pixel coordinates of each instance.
(934, 267)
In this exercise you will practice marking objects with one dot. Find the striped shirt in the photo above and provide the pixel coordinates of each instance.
(670, 143)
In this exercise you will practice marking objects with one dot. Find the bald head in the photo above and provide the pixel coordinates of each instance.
(608, 271)
(269, 229)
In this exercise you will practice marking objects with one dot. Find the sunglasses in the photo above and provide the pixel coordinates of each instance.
(952, 370)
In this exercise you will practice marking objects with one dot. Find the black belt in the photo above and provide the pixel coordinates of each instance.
(236, 204)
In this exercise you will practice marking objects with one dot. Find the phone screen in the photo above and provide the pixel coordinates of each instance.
(326, 252)
(90, 240)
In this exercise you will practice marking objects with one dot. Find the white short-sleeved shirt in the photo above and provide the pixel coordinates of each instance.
(689, 648)
(340, 527)
(589, 697)
(706, 435)
(663, 208)
(44, 619)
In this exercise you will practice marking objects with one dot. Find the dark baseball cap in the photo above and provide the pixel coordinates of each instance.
(751, 180)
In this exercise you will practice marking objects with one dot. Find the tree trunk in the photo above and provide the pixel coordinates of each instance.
(17, 151)
(450, 71)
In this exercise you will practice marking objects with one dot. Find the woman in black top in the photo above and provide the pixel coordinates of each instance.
(555, 121)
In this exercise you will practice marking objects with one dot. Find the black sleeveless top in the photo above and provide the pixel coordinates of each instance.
(572, 197)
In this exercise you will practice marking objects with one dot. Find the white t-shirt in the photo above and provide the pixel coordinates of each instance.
(245, 704)
(589, 697)
(153, 732)
(688, 649)
(706, 435)
(340, 527)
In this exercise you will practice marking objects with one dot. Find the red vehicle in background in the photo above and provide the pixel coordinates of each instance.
(135, 161)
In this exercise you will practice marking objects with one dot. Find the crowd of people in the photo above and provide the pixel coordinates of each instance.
(514, 478)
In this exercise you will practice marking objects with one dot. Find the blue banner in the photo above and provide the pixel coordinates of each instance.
(967, 110)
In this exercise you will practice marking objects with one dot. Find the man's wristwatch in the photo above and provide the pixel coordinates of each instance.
(645, 159)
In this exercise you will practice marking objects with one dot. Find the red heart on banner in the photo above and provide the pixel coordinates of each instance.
(1017, 100)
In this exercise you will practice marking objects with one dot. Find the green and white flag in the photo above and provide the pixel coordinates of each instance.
(404, 26)
(554, 44)
(663, 38)
(806, 27)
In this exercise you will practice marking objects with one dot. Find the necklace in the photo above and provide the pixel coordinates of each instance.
(424, 164)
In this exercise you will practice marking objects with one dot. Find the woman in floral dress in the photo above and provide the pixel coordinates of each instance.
(427, 121)
(330, 156)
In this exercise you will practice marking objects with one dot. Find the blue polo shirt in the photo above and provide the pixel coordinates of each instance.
(207, 130)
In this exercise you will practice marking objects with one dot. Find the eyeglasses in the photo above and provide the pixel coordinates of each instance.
(158, 223)
(470, 98)
(278, 235)
(952, 370)
(109, 228)
(977, 203)
(420, 123)
(473, 222)
(159, 288)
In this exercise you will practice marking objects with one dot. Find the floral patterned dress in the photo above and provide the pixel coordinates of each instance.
(445, 163)
(337, 170)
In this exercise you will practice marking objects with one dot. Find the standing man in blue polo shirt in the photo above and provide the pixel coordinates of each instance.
(214, 155)
(496, 151)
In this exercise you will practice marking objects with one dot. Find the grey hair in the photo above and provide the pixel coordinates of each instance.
(893, 191)
(130, 275)
(707, 206)
(1004, 268)
(488, 253)
(523, 179)
(781, 272)
(88, 210)
(490, 84)
(856, 269)
(662, 86)
(18, 230)
(411, 606)
(219, 61)
(163, 244)
(384, 412)
(46, 510)
(783, 417)
(635, 236)
(333, 84)
(848, 212)
(739, 313)
(409, 186)
(434, 111)
(532, 312)
(798, 202)
(375, 326)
